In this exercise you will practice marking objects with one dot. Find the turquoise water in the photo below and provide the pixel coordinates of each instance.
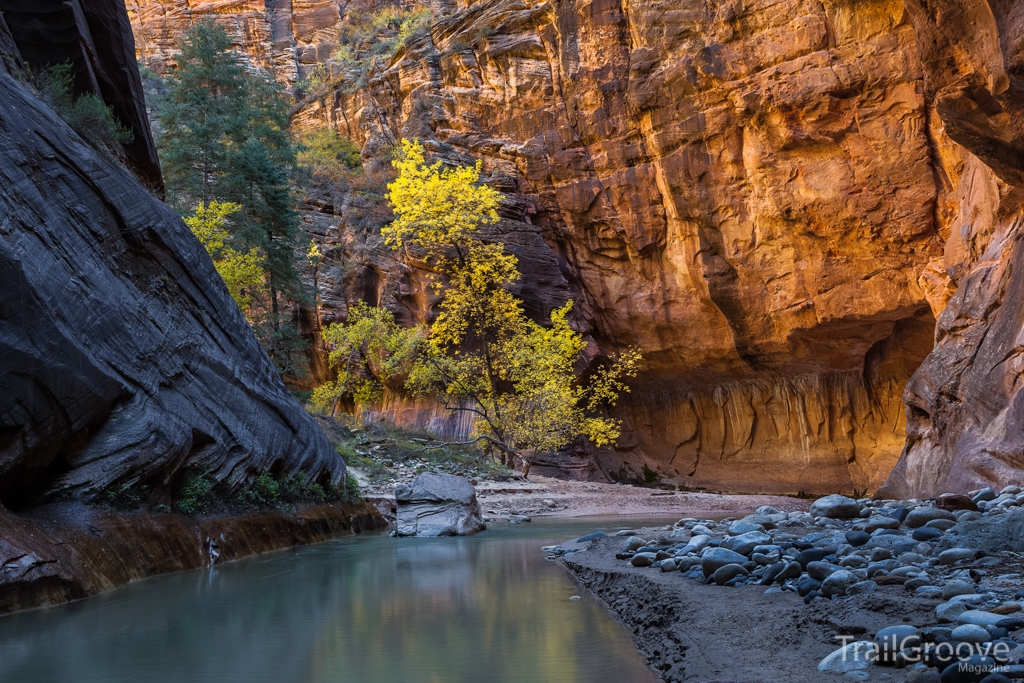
(367, 609)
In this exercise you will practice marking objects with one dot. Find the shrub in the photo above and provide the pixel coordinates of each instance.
(87, 114)
(194, 495)
(123, 495)
(264, 491)
(327, 153)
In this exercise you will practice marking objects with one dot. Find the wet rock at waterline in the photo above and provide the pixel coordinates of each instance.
(438, 505)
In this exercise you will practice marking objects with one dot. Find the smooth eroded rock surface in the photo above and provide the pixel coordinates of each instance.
(123, 360)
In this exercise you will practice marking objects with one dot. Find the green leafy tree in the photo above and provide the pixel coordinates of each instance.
(242, 272)
(483, 354)
(369, 352)
(225, 138)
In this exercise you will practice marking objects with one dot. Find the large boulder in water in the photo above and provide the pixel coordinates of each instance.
(438, 505)
(123, 359)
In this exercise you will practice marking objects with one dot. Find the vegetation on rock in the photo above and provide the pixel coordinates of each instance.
(87, 114)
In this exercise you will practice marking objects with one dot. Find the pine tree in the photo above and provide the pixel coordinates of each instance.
(225, 138)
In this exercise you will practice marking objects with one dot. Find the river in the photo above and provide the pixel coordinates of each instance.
(364, 609)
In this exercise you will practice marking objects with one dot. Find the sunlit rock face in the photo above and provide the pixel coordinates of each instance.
(965, 407)
(763, 196)
(282, 37)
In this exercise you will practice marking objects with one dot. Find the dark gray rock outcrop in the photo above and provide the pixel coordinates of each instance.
(123, 359)
(95, 37)
(438, 505)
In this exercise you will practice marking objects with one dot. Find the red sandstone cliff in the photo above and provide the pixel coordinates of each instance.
(761, 195)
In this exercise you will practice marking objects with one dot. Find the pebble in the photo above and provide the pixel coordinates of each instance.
(855, 656)
(643, 559)
(985, 494)
(940, 524)
(979, 617)
(715, 558)
(727, 572)
(881, 522)
(970, 670)
(954, 555)
(861, 587)
(892, 639)
(923, 676)
(955, 588)
(745, 543)
(633, 543)
(813, 555)
(837, 583)
(970, 633)
(926, 533)
(955, 501)
(821, 570)
(807, 585)
(857, 538)
(920, 516)
(741, 527)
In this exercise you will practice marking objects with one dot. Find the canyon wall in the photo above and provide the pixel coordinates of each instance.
(123, 359)
(965, 406)
(774, 200)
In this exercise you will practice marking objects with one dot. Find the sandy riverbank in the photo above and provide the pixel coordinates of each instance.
(546, 497)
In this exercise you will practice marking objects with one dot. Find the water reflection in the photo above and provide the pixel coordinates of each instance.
(366, 609)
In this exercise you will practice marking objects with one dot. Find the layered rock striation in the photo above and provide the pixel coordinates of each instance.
(123, 359)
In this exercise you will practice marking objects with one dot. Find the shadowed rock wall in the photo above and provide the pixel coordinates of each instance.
(965, 407)
(95, 37)
(123, 359)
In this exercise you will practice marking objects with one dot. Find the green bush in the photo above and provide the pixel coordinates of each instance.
(297, 488)
(124, 496)
(327, 153)
(352, 492)
(264, 491)
(194, 495)
(87, 114)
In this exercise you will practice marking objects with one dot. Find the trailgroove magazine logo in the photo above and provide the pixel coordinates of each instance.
(909, 650)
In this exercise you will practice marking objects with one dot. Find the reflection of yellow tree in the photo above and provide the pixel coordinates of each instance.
(456, 607)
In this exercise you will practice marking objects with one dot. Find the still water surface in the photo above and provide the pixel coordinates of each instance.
(368, 609)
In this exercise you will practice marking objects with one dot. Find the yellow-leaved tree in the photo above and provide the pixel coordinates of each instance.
(482, 354)
(242, 272)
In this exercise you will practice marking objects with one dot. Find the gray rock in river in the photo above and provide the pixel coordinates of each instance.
(438, 505)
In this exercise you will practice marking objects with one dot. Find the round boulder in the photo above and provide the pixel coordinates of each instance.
(920, 516)
(728, 572)
(836, 507)
(837, 583)
(715, 558)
